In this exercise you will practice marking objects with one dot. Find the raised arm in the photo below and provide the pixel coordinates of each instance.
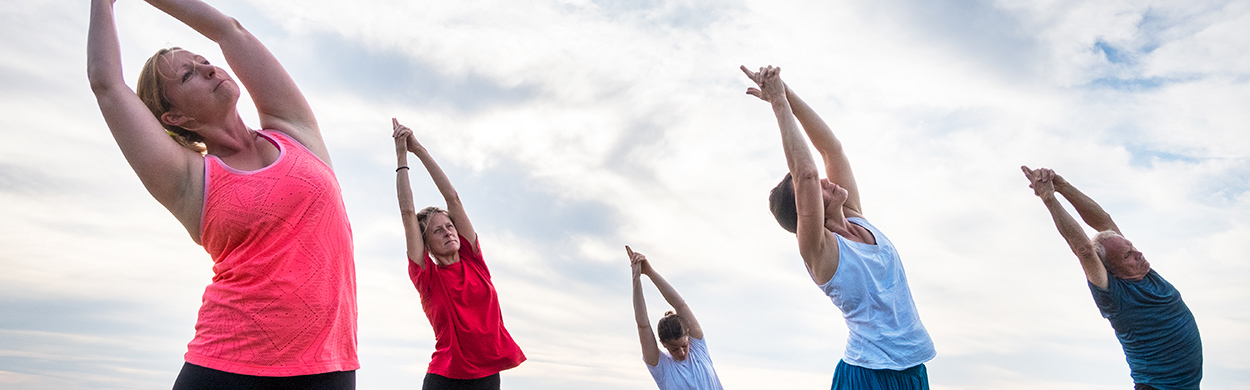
(650, 350)
(816, 245)
(171, 173)
(671, 296)
(1090, 211)
(412, 229)
(454, 207)
(1043, 186)
(278, 100)
(837, 166)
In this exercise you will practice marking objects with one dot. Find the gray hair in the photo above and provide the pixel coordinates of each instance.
(1099, 248)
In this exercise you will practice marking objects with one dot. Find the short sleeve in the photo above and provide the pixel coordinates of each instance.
(417, 274)
(659, 371)
(466, 254)
(1105, 298)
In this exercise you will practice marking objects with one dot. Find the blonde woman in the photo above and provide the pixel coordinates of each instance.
(264, 203)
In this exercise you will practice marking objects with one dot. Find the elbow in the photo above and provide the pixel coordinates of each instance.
(100, 83)
(408, 210)
(230, 30)
(805, 172)
(1084, 249)
(453, 198)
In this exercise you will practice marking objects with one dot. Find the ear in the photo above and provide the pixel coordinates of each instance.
(174, 118)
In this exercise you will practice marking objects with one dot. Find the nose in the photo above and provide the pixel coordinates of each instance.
(207, 70)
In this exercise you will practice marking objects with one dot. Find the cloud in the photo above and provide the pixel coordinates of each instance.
(572, 128)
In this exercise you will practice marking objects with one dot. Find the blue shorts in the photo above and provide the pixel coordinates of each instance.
(847, 377)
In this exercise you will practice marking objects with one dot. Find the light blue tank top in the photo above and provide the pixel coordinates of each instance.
(871, 289)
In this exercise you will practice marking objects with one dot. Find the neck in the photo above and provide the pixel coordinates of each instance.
(227, 136)
(448, 259)
(835, 221)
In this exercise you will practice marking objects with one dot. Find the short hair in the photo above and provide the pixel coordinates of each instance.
(671, 327)
(1099, 248)
(781, 203)
(151, 91)
(423, 217)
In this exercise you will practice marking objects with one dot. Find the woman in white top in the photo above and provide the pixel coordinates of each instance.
(687, 364)
(854, 264)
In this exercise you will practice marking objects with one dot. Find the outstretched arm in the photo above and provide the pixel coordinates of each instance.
(412, 229)
(171, 173)
(819, 252)
(454, 206)
(650, 350)
(670, 295)
(1090, 211)
(278, 100)
(1043, 186)
(837, 165)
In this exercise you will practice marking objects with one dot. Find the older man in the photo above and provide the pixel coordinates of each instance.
(1155, 328)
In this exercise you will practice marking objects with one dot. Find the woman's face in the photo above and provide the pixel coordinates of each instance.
(195, 89)
(834, 195)
(441, 237)
(679, 349)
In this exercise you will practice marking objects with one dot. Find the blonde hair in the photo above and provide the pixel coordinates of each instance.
(151, 91)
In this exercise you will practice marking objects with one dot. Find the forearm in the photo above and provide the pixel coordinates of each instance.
(436, 174)
(646, 336)
(104, 65)
(817, 130)
(1089, 210)
(403, 187)
(640, 306)
(793, 143)
(1068, 227)
(201, 17)
(670, 294)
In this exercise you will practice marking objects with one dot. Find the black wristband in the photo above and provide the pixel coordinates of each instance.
(403, 167)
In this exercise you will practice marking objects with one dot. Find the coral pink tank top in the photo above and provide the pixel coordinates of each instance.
(283, 297)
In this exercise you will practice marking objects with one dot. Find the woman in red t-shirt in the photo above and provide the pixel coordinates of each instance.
(446, 266)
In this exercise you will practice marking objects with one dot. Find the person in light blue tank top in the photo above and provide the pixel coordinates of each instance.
(849, 258)
(1156, 329)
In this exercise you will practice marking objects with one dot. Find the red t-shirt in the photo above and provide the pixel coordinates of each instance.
(463, 308)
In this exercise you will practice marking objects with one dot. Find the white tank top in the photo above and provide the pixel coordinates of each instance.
(871, 289)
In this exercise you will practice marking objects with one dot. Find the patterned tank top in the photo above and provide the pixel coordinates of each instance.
(283, 297)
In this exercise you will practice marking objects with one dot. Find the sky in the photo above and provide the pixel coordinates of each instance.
(572, 128)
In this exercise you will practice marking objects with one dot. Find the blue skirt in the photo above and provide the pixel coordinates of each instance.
(849, 377)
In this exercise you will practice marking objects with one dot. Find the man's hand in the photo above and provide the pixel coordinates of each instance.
(769, 82)
(1041, 180)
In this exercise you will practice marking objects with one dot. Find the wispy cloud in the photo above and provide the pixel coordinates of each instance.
(572, 128)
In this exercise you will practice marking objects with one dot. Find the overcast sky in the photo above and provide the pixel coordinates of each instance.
(572, 128)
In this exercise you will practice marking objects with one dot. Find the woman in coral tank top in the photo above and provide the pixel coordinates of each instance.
(264, 203)
(446, 265)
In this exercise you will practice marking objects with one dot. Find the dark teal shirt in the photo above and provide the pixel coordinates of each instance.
(1156, 330)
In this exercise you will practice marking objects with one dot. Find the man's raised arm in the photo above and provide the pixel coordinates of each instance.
(1042, 182)
(1090, 211)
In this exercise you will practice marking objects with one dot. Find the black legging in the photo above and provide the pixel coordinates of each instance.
(193, 377)
(439, 382)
